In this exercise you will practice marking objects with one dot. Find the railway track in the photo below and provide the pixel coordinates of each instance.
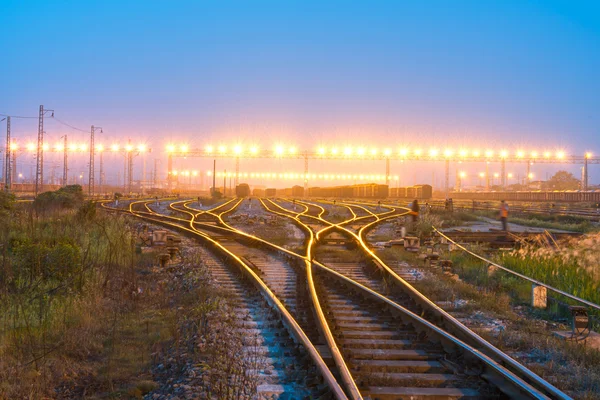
(376, 343)
(295, 367)
(355, 273)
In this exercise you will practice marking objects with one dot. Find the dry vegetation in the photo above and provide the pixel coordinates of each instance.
(84, 312)
(501, 304)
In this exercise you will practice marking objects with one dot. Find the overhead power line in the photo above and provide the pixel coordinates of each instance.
(16, 116)
(70, 126)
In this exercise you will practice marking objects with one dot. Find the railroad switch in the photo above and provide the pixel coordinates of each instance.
(411, 243)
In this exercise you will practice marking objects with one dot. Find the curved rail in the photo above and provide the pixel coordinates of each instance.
(271, 299)
(519, 368)
(463, 331)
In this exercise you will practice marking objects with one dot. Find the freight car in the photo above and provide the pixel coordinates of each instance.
(557, 196)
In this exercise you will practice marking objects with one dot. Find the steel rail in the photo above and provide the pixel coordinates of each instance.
(527, 278)
(459, 329)
(519, 387)
(271, 299)
(346, 376)
(521, 369)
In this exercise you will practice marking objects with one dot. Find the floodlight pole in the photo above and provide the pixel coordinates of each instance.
(503, 172)
(305, 174)
(92, 154)
(237, 171)
(487, 176)
(447, 178)
(39, 172)
(387, 171)
(65, 162)
(7, 170)
(585, 172)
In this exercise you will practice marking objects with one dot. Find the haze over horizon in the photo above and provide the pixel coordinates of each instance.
(502, 74)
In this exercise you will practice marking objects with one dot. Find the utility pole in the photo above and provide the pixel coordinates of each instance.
(213, 189)
(585, 172)
(225, 183)
(503, 172)
(387, 171)
(92, 153)
(101, 176)
(487, 176)
(170, 172)
(237, 171)
(39, 171)
(65, 162)
(7, 170)
(447, 177)
(305, 174)
(129, 167)
(156, 161)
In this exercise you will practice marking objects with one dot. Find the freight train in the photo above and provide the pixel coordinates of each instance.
(553, 196)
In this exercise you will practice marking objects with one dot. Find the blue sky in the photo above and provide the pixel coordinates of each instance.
(453, 73)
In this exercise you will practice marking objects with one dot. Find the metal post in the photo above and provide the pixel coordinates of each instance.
(585, 173)
(156, 160)
(487, 176)
(101, 176)
(65, 162)
(237, 171)
(447, 186)
(170, 172)
(129, 169)
(503, 171)
(214, 187)
(225, 183)
(7, 170)
(91, 176)
(305, 174)
(387, 171)
(527, 178)
(143, 184)
(14, 167)
(39, 171)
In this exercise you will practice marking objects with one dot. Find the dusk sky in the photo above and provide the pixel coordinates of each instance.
(463, 73)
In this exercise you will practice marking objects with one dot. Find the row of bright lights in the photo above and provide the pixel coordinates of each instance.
(81, 147)
(281, 150)
(275, 175)
(510, 175)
